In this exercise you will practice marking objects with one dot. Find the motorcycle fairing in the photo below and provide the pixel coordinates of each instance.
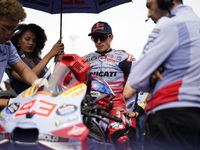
(46, 114)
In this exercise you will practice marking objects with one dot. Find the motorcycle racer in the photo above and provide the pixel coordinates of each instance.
(114, 67)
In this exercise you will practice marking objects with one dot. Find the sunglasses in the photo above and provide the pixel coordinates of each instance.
(12, 30)
(101, 37)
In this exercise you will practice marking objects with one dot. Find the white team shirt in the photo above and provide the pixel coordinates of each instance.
(173, 44)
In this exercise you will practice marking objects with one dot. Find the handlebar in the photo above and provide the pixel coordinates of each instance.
(109, 116)
(98, 110)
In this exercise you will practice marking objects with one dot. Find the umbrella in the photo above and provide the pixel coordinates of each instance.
(71, 6)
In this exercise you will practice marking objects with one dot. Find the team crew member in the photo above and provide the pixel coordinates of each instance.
(11, 13)
(173, 107)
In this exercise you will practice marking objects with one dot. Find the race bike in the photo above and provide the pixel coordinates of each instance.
(58, 113)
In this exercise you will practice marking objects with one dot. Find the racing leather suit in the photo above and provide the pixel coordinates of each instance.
(114, 67)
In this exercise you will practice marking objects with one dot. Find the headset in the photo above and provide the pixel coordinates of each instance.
(165, 4)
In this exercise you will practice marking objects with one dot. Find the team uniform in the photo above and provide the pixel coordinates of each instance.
(173, 44)
(8, 55)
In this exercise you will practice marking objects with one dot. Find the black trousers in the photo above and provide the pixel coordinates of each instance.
(173, 129)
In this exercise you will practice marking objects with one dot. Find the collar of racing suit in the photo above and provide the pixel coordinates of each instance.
(103, 53)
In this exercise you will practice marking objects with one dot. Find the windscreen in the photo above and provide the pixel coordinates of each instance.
(60, 78)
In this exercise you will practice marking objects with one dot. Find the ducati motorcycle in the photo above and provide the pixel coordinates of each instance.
(58, 113)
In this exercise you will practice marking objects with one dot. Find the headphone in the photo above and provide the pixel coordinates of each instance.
(165, 4)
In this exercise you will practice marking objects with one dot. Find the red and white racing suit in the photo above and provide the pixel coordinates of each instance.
(114, 67)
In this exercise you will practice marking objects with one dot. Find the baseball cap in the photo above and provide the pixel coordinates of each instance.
(101, 27)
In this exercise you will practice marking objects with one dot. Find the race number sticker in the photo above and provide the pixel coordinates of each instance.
(38, 107)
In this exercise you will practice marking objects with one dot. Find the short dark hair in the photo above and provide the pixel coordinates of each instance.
(167, 4)
(180, 1)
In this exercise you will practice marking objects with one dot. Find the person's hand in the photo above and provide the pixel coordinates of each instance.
(58, 57)
(57, 49)
(40, 82)
(156, 76)
(129, 114)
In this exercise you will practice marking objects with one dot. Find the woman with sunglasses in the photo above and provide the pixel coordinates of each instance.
(29, 41)
(114, 67)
